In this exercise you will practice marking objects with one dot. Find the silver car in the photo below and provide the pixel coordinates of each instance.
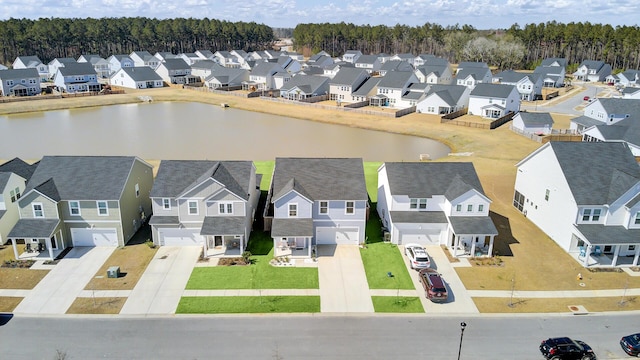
(417, 255)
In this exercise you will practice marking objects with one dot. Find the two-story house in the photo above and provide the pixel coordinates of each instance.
(435, 204)
(528, 85)
(595, 218)
(116, 62)
(471, 76)
(443, 99)
(493, 100)
(316, 201)
(395, 65)
(72, 201)
(226, 77)
(144, 58)
(552, 76)
(76, 77)
(100, 65)
(57, 63)
(592, 70)
(205, 203)
(176, 71)
(434, 74)
(626, 130)
(345, 82)
(605, 111)
(189, 57)
(351, 56)
(262, 75)
(13, 177)
(392, 87)
(305, 86)
(630, 77)
(141, 77)
(19, 82)
(371, 63)
(226, 59)
(32, 62)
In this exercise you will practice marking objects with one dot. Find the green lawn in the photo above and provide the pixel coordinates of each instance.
(371, 178)
(395, 304)
(266, 169)
(259, 275)
(248, 304)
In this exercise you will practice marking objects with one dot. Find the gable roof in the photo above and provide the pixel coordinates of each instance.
(366, 59)
(4, 179)
(621, 106)
(437, 70)
(265, 68)
(30, 61)
(450, 94)
(367, 86)
(396, 65)
(19, 167)
(307, 83)
(510, 76)
(82, 177)
(492, 90)
(626, 130)
(478, 73)
(535, 119)
(613, 170)
(175, 64)
(426, 179)
(77, 69)
(550, 62)
(347, 76)
(17, 74)
(176, 176)
(141, 73)
(395, 79)
(320, 178)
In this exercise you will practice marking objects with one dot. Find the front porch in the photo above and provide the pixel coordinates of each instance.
(223, 236)
(292, 237)
(295, 247)
(597, 245)
(223, 246)
(471, 236)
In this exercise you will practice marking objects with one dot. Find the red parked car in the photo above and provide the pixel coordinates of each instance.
(434, 288)
(586, 98)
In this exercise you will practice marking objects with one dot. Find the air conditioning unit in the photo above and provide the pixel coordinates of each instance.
(113, 272)
(387, 236)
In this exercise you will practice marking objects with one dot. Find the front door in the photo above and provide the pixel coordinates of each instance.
(217, 240)
(53, 242)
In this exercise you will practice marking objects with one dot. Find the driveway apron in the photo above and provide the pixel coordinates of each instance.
(343, 282)
(58, 290)
(161, 286)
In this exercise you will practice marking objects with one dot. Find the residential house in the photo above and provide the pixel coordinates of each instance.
(19, 82)
(305, 86)
(294, 55)
(626, 130)
(100, 65)
(612, 79)
(371, 63)
(57, 63)
(406, 57)
(436, 204)
(470, 65)
(189, 58)
(205, 203)
(429, 60)
(595, 218)
(176, 71)
(552, 76)
(630, 92)
(290, 65)
(434, 74)
(28, 62)
(280, 79)
(226, 77)
(554, 62)
(311, 70)
(395, 65)
(204, 68)
(144, 58)
(592, 70)
(261, 76)
(241, 55)
(392, 87)
(471, 76)
(227, 59)
(164, 55)
(368, 89)
(330, 71)
(532, 123)
(443, 99)
(76, 77)
(605, 111)
(528, 85)
(205, 54)
(316, 201)
(351, 56)
(141, 77)
(82, 201)
(493, 100)
(13, 177)
(629, 77)
(116, 62)
(320, 60)
(415, 92)
(346, 81)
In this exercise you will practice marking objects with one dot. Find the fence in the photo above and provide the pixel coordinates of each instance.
(453, 115)
(501, 121)
(382, 112)
(58, 96)
(225, 91)
(555, 135)
(357, 105)
(315, 99)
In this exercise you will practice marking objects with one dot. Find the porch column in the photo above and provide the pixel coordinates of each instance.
(635, 257)
(15, 248)
(491, 246)
(47, 243)
(473, 247)
(615, 255)
(455, 246)
(205, 246)
(307, 242)
(586, 255)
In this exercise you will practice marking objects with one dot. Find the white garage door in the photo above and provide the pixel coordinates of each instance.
(420, 238)
(336, 236)
(180, 237)
(94, 237)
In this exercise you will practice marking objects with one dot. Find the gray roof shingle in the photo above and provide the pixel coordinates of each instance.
(34, 228)
(536, 119)
(223, 225)
(348, 76)
(493, 90)
(609, 235)
(141, 73)
(18, 74)
(19, 167)
(291, 227)
(473, 225)
(77, 69)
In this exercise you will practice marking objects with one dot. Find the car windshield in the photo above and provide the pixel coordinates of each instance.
(439, 290)
(422, 258)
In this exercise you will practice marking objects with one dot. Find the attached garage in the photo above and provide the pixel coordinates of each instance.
(180, 237)
(336, 236)
(423, 237)
(94, 237)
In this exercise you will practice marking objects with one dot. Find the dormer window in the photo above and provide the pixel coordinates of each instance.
(420, 204)
(166, 204)
(293, 210)
(38, 210)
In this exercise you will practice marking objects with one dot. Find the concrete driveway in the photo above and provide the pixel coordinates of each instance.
(58, 290)
(161, 286)
(343, 282)
(459, 300)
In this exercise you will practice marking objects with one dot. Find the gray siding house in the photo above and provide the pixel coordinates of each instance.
(19, 82)
(13, 177)
(316, 201)
(205, 203)
(82, 201)
(77, 77)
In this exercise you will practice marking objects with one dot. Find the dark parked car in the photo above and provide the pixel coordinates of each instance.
(631, 344)
(434, 288)
(561, 348)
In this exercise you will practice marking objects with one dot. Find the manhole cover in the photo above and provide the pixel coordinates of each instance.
(582, 284)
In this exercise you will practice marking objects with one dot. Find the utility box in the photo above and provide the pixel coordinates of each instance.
(113, 272)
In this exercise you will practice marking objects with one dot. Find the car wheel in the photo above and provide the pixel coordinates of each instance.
(587, 357)
(555, 358)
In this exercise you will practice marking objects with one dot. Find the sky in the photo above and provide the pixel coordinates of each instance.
(481, 14)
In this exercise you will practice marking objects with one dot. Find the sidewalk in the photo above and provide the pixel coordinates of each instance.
(555, 294)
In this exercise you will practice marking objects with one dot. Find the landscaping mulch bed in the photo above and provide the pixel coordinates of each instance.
(232, 261)
(18, 264)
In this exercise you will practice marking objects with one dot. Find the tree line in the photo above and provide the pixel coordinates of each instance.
(515, 47)
(49, 38)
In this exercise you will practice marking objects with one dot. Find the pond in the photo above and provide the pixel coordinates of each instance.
(184, 130)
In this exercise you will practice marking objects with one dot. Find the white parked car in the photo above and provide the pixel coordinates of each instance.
(417, 255)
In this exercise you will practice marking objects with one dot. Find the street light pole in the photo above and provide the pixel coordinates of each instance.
(462, 326)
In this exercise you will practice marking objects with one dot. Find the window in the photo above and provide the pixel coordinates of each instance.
(74, 208)
(586, 214)
(637, 221)
(546, 195)
(137, 190)
(418, 204)
(38, 211)
(193, 207)
(350, 207)
(458, 207)
(15, 194)
(293, 210)
(591, 214)
(166, 204)
(324, 207)
(596, 215)
(226, 208)
(469, 207)
(632, 247)
(481, 208)
(518, 201)
(103, 209)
